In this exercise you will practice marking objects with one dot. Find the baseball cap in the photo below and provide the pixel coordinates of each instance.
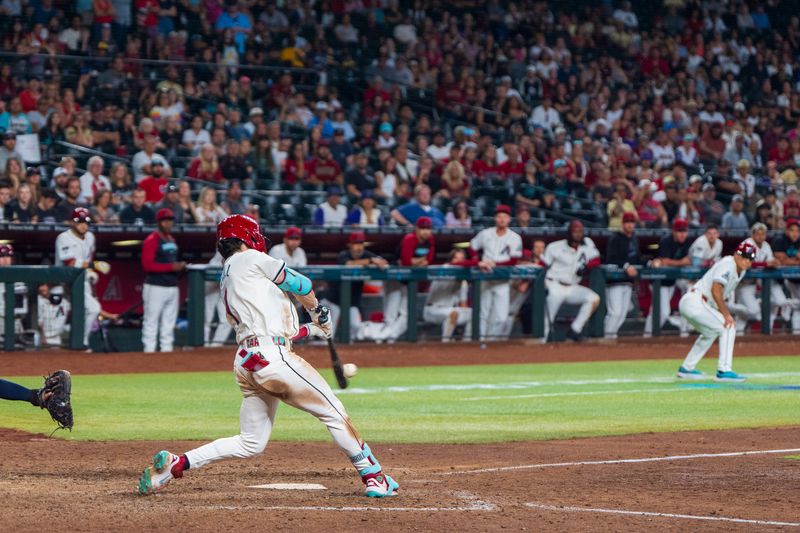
(156, 161)
(792, 222)
(256, 111)
(737, 198)
(502, 208)
(81, 214)
(10, 134)
(293, 232)
(59, 171)
(171, 188)
(628, 217)
(696, 178)
(165, 214)
(680, 224)
(791, 188)
(746, 250)
(357, 237)
(338, 131)
(424, 222)
(334, 191)
(6, 250)
(708, 187)
(32, 171)
(385, 128)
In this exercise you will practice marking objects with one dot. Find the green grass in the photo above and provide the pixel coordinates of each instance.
(492, 403)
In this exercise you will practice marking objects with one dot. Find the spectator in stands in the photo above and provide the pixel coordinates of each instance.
(360, 178)
(5, 198)
(735, 218)
(45, 207)
(8, 150)
(15, 118)
(14, 174)
(93, 181)
(207, 210)
(195, 136)
(458, 216)
(121, 184)
(171, 202)
(70, 202)
(143, 159)
(22, 209)
(154, 184)
(711, 210)
(619, 205)
(103, 211)
(290, 252)
(185, 201)
(323, 170)
(331, 213)
(650, 212)
(365, 214)
(408, 214)
(137, 212)
(233, 204)
(206, 165)
(622, 251)
(454, 182)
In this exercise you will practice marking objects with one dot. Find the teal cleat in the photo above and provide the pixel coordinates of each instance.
(690, 374)
(166, 466)
(729, 376)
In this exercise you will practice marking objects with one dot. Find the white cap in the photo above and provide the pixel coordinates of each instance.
(256, 111)
(59, 171)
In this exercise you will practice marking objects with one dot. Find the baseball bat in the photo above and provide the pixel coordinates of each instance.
(338, 371)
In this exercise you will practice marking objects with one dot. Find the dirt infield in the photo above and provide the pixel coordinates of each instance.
(739, 481)
(85, 486)
(386, 355)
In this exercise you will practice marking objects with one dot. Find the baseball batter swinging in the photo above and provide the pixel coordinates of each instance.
(704, 307)
(255, 288)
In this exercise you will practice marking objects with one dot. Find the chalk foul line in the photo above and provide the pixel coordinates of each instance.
(617, 461)
(571, 509)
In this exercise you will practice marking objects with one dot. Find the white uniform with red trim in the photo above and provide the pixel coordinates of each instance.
(563, 282)
(72, 250)
(700, 310)
(749, 306)
(264, 320)
(496, 295)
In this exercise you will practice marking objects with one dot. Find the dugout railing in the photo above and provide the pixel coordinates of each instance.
(600, 276)
(412, 276)
(33, 276)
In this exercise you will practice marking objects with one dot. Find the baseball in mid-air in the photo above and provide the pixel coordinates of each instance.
(350, 370)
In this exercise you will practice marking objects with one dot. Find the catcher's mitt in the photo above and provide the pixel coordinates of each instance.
(55, 396)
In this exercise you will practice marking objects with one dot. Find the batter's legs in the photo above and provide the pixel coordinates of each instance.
(256, 417)
(710, 323)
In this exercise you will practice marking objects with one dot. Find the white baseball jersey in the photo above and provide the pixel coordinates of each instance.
(564, 261)
(497, 248)
(298, 259)
(724, 273)
(52, 318)
(254, 304)
(446, 293)
(71, 250)
(764, 253)
(700, 251)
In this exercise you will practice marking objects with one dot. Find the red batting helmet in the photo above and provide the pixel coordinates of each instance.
(81, 214)
(6, 250)
(746, 250)
(243, 228)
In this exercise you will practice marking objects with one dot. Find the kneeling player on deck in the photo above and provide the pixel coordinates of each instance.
(255, 289)
(703, 306)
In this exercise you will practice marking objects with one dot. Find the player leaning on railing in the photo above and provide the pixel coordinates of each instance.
(255, 288)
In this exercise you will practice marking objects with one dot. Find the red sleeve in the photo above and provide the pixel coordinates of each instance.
(594, 263)
(759, 264)
(302, 333)
(149, 248)
(193, 168)
(471, 262)
(407, 248)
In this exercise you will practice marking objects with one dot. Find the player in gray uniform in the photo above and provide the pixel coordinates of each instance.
(444, 303)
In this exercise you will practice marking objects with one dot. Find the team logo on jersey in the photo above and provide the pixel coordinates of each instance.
(726, 276)
(506, 250)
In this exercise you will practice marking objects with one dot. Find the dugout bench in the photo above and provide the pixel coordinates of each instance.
(33, 276)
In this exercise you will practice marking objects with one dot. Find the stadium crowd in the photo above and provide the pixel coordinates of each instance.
(367, 113)
(685, 110)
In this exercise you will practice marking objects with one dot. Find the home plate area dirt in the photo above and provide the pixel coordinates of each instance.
(534, 486)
